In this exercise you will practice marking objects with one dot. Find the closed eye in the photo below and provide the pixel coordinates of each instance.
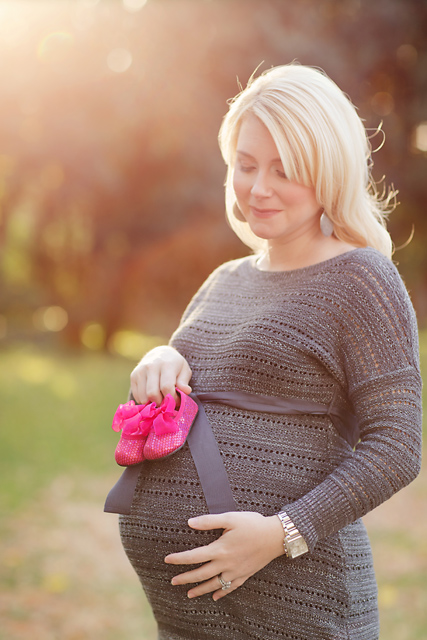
(245, 168)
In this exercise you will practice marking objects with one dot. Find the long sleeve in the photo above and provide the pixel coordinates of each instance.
(379, 356)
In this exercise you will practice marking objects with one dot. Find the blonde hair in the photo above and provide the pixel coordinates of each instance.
(322, 144)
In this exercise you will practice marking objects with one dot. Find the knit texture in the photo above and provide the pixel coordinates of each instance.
(344, 327)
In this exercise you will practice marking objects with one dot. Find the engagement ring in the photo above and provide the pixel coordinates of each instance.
(224, 583)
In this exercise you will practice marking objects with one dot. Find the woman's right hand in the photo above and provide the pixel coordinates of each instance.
(160, 371)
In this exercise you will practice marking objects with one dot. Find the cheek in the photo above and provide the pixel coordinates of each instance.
(298, 195)
(241, 183)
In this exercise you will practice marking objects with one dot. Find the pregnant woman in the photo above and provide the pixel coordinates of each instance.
(317, 313)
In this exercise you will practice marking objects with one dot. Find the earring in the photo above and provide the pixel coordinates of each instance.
(237, 213)
(326, 225)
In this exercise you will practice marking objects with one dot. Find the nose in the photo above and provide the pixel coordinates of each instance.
(261, 187)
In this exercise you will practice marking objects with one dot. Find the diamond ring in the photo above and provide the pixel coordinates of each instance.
(225, 584)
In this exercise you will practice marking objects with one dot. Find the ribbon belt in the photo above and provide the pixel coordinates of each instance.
(206, 455)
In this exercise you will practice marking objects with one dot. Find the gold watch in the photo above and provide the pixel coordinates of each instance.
(293, 543)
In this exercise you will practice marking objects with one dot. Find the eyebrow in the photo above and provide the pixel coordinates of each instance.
(248, 155)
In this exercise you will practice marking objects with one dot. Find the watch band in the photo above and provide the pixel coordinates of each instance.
(293, 542)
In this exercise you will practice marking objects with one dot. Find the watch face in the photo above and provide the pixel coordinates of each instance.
(296, 547)
(294, 543)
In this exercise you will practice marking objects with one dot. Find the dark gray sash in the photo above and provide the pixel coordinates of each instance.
(205, 452)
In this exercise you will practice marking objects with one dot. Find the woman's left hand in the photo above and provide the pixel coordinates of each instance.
(248, 543)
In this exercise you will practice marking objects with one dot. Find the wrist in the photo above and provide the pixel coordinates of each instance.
(276, 536)
(294, 544)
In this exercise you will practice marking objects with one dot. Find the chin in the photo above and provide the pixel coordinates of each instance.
(261, 231)
(263, 234)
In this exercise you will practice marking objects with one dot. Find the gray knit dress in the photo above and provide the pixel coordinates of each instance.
(346, 327)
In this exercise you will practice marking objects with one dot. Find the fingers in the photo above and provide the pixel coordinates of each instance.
(160, 381)
(212, 558)
(184, 377)
(205, 587)
(200, 574)
(248, 542)
(170, 379)
(160, 371)
(208, 578)
(235, 584)
(193, 556)
(138, 384)
(214, 585)
(211, 584)
(211, 521)
(184, 387)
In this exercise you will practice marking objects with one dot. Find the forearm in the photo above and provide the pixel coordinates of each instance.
(370, 476)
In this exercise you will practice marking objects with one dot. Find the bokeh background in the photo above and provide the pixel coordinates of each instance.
(111, 216)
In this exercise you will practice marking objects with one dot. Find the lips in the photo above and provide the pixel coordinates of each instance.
(263, 213)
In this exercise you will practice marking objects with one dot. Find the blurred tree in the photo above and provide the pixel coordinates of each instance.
(110, 176)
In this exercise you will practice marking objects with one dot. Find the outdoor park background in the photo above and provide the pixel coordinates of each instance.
(112, 214)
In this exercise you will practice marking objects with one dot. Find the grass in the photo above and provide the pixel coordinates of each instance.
(56, 409)
(64, 574)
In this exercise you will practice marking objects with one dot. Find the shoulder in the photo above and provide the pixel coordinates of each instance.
(374, 301)
(222, 279)
(232, 269)
(368, 272)
(233, 266)
(367, 260)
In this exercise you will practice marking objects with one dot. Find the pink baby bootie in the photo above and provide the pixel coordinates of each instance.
(170, 427)
(134, 421)
(150, 432)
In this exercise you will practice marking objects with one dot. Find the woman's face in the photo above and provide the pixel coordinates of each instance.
(276, 208)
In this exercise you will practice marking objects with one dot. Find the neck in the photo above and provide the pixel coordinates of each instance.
(293, 254)
(297, 255)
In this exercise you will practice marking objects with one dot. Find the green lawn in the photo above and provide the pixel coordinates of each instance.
(56, 410)
(64, 574)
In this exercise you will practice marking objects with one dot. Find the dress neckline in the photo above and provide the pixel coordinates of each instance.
(309, 268)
